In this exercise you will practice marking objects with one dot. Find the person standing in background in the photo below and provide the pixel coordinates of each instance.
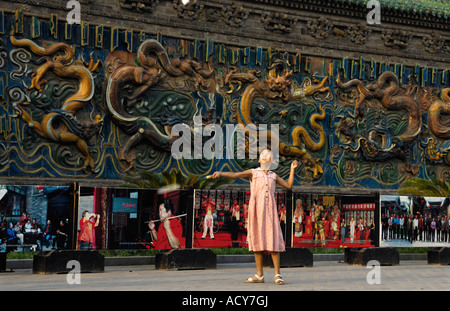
(421, 228)
(87, 226)
(415, 228)
(402, 226)
(48, 233)
(384, 227)
(438, 229)
(444, 228)
(61, 235)
(282, 216)
(426, 228)
(235, 218)
(409, 228)
(433, 229)
(343, 229)
(448, 228)
(391, 227)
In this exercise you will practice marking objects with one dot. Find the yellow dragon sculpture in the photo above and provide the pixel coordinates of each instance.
(437, 110)
(61, 125)
(439, 124)
(278, 85)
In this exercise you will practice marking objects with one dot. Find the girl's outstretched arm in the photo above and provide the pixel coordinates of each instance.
(290, 182)
(232, 175)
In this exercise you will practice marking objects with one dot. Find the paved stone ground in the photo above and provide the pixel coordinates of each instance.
(404, 243)
(323, 276)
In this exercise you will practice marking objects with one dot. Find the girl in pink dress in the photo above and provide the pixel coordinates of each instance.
(264, 231)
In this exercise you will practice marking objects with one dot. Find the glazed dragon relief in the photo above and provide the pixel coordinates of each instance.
(278, 86)
(439, 116)
(61, 125)
(387, 91)
(439, 125)
(151, 66)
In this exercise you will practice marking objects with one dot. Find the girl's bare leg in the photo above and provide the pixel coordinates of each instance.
(276, 261)
(259, 257)
(276, 265)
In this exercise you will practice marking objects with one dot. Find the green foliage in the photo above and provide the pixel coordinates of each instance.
(425, 188)
(147, 180)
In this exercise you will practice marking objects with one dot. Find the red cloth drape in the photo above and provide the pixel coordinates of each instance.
(100, 196)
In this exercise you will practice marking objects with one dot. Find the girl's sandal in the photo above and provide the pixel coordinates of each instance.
(255, 279)
(278, 279)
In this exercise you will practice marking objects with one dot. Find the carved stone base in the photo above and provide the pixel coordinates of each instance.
(2, 262)
(293, 257)
(439, 256)
(185, 259)
(386, 256)
(55, 262)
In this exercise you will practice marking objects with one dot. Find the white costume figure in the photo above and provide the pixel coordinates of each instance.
(352, 230)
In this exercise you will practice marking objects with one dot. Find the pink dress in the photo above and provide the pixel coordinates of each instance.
(264, 231)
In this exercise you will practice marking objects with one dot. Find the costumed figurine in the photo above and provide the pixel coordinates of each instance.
(209, 206)
(298, 219)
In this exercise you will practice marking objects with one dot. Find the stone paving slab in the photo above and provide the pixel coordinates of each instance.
(323, 276)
